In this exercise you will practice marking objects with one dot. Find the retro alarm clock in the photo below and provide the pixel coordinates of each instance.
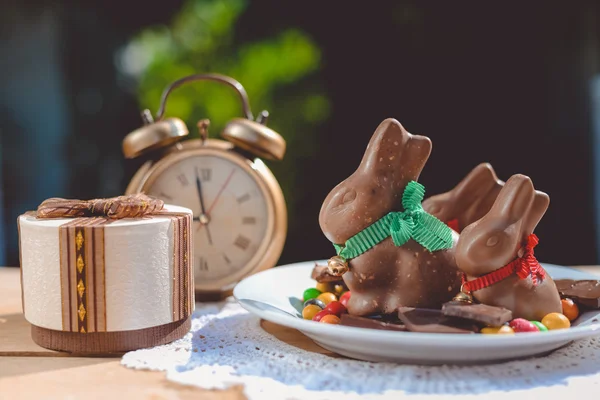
(240, 217)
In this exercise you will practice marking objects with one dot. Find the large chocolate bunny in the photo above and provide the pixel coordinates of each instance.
(502, 237)
(470, 200)
(388, 276)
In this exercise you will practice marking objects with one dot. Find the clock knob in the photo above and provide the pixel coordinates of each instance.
(255, 137)
(154, 135)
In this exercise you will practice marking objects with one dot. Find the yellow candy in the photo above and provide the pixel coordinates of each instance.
(339, 289)
(492, 330)
(556, 320)
(506, 330)
(310, 311)
(327, 297)
(324, 287)
(330, 319)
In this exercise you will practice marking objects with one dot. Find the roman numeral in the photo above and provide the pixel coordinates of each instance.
(244, 198)
(242, 242)
(182, 179)
(249, 220)
(206, 174)
(201, 264)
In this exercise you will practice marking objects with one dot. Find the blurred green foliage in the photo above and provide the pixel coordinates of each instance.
(280, 74)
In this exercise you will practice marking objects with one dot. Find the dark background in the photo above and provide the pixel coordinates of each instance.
(514, 83)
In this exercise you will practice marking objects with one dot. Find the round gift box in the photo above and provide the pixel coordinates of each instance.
(96, 285)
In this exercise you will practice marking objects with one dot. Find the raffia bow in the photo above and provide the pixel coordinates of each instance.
(129, 206)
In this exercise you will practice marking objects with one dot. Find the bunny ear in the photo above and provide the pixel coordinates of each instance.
(514, 201)
(393, 149)
(477, 183)
(538, 208)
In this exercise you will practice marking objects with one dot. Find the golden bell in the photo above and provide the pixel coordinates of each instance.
(337, 266)
(463, 298)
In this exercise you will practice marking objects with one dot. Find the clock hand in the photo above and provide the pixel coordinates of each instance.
(220, 192)
(203, 218)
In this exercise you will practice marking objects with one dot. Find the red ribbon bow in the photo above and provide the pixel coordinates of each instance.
(528, 264)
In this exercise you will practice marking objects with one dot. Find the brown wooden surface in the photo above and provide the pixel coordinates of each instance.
(28, 371)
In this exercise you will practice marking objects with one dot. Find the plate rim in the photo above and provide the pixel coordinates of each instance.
(432, 339)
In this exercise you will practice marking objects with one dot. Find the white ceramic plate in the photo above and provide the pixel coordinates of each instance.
(275, 295)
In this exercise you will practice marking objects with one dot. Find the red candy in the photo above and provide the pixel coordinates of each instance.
(522, 325)
(336, 308)
(321, 314)
(344, 299)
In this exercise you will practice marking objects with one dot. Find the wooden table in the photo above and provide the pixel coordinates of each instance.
(30, 371)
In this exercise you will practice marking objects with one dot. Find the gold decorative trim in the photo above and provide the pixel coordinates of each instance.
(80, 263)
(81, 312)
(80, 288)
(79, 240)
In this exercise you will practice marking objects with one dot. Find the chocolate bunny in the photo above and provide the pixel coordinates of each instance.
(496, 254)
(388, 276)
(470, 200)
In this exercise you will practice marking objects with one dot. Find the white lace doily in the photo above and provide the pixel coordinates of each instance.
(226, 347)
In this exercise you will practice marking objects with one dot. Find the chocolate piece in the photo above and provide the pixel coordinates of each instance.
(496, 239)
(433, 321)
(470, 200)
(564, 284)
(488, 315)
(370, 323)
(584, 292)
(387, 276)
(320, 273)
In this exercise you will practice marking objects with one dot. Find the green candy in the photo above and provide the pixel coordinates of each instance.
(540, 326)
(311, 293)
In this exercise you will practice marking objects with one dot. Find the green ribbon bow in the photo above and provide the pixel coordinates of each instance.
(412, 223)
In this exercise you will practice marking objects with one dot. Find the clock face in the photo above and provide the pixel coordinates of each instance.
(231, 212)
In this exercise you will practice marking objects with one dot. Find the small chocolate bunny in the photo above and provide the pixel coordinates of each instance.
(470, 200)
(388, 276)
(496, 254)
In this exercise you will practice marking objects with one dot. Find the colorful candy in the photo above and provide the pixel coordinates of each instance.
(540, 326)
(506, 330)
(330, 319)
(501, 330)
(315, 302)
(311, 293)
(490, 330)
(570, 309)
(522, 325)
(318, 316)
(327, 297)
(336, 308)
(310, 311)
(344, 299)
(324, 287)
(321, 304)
(555, 321)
